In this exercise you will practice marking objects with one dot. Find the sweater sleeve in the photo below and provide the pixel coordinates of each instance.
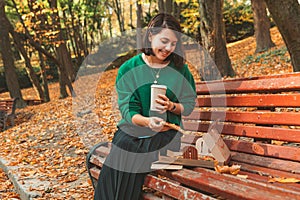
(188, 92)
(128, 100)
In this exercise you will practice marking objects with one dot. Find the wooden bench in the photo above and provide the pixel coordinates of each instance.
(260, 123)
(7, 112)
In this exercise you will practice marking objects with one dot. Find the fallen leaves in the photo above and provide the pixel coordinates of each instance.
(7, 191)
(47, 147)
(283, 180)
(234, 169)
(247, 63)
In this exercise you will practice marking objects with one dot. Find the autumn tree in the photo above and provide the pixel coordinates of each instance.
(38, 46)
(213, 38)
(170, 7)
(7, 56)
(30, 71)
(285, 14)
(66, 70)
(261, 26)
(117, 7)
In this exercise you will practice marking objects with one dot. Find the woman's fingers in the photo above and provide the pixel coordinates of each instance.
(165, 103)
(156, 123)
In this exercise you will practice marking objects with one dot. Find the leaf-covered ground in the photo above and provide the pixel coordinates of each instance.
(49, 142)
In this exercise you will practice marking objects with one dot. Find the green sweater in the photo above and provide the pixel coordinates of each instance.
(133, 84)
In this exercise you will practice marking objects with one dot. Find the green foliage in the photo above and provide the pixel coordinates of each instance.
(190, 18)
(266, 56)
(23, 79)
(238, 18)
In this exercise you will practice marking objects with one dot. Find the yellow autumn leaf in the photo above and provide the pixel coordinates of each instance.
(234, 169)
(284, 180)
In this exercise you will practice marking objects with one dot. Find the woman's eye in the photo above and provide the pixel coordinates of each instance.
(165, 41)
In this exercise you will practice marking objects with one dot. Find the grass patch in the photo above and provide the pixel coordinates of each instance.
(266, 56)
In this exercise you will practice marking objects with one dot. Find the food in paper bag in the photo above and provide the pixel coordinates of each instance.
(202, 148)
(213, 144)
(216, 145)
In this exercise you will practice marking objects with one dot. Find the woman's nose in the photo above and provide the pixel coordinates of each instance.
(169, 46)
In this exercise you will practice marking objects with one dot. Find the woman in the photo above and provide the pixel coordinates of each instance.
(141, 133)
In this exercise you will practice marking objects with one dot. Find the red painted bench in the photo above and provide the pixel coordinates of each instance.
(259, 119)
(7, 112)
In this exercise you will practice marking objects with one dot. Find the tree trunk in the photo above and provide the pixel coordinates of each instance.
(261, 26)
(212, 30)
(72, 35)
(161, 6)
(120, 15)
(7, 57)
(44, 78)
(139, 17)
(286, 16)
(30, 71)
(177, 10)
(62, 54)
(169, 6)
(131, 12)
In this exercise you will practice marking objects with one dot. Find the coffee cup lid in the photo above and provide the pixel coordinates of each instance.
(159, 86)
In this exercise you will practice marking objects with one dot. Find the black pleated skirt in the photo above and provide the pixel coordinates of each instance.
(124, 170)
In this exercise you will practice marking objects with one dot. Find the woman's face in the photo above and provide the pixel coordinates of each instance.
(163, 43)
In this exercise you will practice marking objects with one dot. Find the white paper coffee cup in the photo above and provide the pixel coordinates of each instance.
(155, 91)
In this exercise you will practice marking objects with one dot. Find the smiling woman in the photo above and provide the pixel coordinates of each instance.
(162, 45)
(142, 133)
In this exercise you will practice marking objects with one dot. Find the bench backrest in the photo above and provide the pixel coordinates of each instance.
(251, 109)
(8, 105)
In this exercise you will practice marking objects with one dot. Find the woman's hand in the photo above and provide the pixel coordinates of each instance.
(156, 124)
(165, 103)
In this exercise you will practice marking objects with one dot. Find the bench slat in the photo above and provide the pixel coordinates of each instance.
(273, 163)
(167, 187)
(95, 172)
(263, 179)
(96, 160)
(277, 84)
(259, 117)
(102, 151)
(267, 172)
(254, 78)
(263, 100)
(283, 134)
(230, 187)
(173, 190)
(276, 151)
(261, 184)
(150, 196)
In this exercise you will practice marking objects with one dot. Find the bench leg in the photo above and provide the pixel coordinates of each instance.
(11, 120)
(4, 123)
(90, 165)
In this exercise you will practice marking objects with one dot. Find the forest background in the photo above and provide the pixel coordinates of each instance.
(45, 43)
(48, 41)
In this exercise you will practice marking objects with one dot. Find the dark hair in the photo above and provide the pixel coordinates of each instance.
(155, 26)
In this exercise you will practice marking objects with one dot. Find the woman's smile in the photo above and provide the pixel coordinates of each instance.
(163, 44)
